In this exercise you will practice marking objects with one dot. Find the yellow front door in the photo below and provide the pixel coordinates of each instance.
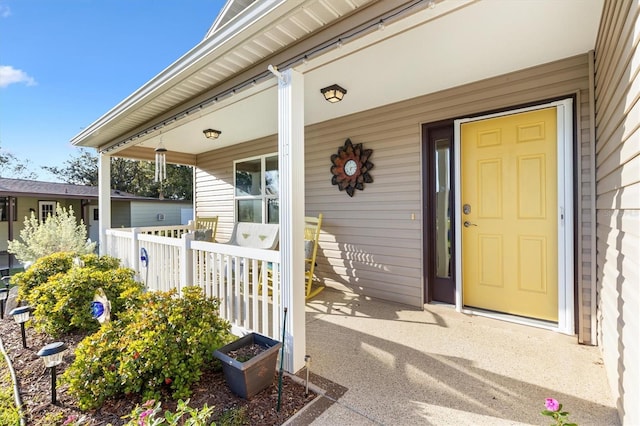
(509, 208)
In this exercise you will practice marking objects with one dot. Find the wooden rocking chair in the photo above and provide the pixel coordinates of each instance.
(312, 226)
(206, 226)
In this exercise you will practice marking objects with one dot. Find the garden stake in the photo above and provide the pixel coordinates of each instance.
(284, 327)
(307, 361)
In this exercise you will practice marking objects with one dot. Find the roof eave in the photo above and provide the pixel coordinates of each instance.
(259, 12)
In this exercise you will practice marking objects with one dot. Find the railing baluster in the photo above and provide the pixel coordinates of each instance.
(238, 276)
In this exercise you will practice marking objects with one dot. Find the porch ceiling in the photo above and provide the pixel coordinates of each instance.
(424, 51)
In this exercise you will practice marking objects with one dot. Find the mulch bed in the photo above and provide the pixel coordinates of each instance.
(35, 388)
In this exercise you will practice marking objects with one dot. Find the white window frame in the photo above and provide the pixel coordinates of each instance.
(50, 206)
(263, 196)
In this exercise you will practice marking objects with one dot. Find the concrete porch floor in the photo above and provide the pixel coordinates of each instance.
(400, 365)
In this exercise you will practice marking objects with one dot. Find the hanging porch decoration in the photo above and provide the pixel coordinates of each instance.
(161, 162)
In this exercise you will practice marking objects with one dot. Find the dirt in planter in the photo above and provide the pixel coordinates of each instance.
(247, 352)
(35, 388)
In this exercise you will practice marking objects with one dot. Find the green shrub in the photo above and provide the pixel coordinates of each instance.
(57, 263)
(9, 414)
(63, 303)
(61, 292)
(163, 345)
(40, 272)
(58, 233)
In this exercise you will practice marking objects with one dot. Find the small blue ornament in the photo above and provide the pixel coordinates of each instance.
(97, 309)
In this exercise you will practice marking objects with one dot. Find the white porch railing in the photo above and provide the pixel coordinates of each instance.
(245, 279)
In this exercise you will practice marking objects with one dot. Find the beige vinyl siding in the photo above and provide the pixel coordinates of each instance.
(617, 91)
(372, 243)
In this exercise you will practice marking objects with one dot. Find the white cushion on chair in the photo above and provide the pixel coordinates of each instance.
(256, 235)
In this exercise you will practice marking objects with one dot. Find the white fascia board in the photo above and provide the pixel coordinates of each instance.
(206, 49)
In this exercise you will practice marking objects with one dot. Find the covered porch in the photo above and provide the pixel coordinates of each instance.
(256, 80)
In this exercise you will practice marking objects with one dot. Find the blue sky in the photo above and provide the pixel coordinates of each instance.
(65, 63)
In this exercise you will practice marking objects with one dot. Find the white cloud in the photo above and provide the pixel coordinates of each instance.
(10, 75)
(5, 12)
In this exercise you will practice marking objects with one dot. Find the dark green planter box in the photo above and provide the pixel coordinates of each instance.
(248, 378)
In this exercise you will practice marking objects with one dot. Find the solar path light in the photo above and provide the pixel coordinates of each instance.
(21, 315)
(52, 357)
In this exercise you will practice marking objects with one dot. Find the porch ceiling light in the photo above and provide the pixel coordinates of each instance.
(211, 133)
(333, 93)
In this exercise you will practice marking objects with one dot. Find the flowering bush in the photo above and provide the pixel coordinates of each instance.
(59, 232)
(147, 415)
(553, 409)
(163, 344)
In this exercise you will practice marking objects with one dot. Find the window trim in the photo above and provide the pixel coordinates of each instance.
(41, 204)
(263, 196)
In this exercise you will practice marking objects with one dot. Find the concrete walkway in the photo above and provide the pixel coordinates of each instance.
(402, 366)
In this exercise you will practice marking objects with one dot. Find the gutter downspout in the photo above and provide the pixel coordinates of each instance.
(592, 198)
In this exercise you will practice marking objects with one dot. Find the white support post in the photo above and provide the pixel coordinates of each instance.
(186, 261)
(292, 211)
(104, 200)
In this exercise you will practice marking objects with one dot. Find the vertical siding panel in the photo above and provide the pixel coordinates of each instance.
(617, 90)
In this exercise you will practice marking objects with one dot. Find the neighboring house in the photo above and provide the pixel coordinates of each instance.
(40, 198)
(505, 152)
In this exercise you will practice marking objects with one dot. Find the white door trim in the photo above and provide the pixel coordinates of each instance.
(565, 323)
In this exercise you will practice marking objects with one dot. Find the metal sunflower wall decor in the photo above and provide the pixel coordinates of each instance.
(351, 167)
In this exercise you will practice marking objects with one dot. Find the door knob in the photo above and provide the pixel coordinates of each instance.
(468, 224)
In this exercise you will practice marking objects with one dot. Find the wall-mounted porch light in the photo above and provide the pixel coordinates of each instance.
(21, 315)
(211, 133)
(52, 357)
(333, 93)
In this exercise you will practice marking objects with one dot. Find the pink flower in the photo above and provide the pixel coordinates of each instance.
(144, 415)
(72, 418)
(551, 404)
